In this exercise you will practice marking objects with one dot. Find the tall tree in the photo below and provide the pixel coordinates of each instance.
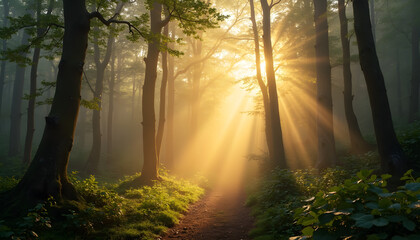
(261, 84)
(390, 151)
(4, 48)
(358, 144)
(279, 157)
(109, 138)
(415, 62)
(171, 107)
(16, 114)
(325, 129)
(30, 124)
(92, 163)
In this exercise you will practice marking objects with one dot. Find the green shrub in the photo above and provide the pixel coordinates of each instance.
(362, 208)
(7, 183)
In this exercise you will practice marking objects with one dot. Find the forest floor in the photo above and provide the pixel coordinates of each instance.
(219, 214)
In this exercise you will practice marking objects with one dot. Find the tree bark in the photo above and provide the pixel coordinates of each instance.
(415, 72)
(390, 151)
(196, 80)
(373, 18)
(261, 84)
(30, 124)
(150, 165)
(16, 114)
(357, 143)
(279, 157)
(4, 48)
(162, 103)
(325, 128)
(47, 173)
(171, 109)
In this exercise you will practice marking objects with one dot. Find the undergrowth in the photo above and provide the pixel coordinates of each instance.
(108, 212)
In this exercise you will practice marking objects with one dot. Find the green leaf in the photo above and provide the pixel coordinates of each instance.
(372, 205)
(412, 186)
(395, 206)
(365, 221)
(308, 231)
(325, 218)
(409, 225)
(380, 222)
(323, 234)
(395, 218)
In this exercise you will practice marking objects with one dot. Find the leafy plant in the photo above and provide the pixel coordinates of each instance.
(363, 208)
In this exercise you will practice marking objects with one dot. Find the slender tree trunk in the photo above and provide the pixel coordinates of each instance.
(278, 147)
(415, 72)
(325, 128)
(373, 18)
(398, 73)
(16, 114)
(30, 125)
(95, 153)
(47, 173)
(4, 48)
(150, 165)
(171, 109)
(162, 107)
(392, 156)
(358, 144)
(261, 84)
(196, 79)
(111, 111)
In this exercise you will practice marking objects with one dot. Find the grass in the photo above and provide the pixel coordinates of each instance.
(108, 212)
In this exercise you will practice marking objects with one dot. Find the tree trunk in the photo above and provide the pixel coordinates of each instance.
(278, 147)
(392, 156)
(372, 18)
(196, 79)
(111, 111)
(261, 84)
(4, 48)
(162, 103)
(415, 72)
(325, 128)
(30, 125)
(150, 165)
(95, 153)
(398, 73)
(16, 115)
(171, 110)
(47, 173)
(357, 143)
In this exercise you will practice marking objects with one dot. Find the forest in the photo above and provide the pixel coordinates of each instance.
(210, 119)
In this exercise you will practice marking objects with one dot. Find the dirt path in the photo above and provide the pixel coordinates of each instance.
(220, 214)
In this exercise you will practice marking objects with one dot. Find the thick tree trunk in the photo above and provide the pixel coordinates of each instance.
(162, 103)
(4, 48)
(415, 72)
(171, 110)
(150, 165)
(325, 128)
(357, 143)
(279, 157)
(47, 173)
(392, 156)
(261, 84)
(373, 18)
(16, 114)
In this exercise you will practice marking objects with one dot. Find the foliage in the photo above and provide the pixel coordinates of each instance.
(409, 139)
(354, 163)
(7, 183)
(363, 208)
(276, 195)
(141, 213)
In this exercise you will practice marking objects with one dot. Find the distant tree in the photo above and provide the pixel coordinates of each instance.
(92, 163)
(325, 128)
(358, 144)
(40, 31)
(415, 60)
(390, 151)
(278, 157)
(171, 106)
(262, 85)
(4, 48)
